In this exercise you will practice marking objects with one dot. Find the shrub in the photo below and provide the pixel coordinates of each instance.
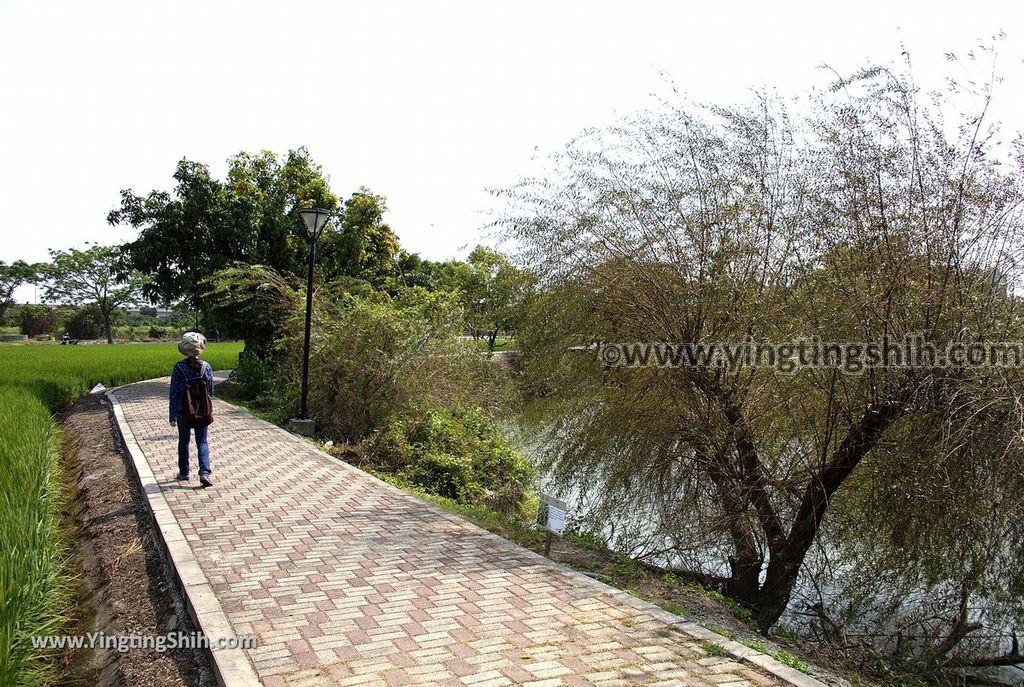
(85, 323)
(376, 357)
(256, 379)
(254, 302)
(455, 453)
(388, 374)
(38, 319)
(443, 474)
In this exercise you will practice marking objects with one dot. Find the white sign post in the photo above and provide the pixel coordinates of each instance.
(556, 519)
(553, 519)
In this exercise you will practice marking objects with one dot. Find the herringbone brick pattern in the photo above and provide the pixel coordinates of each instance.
(347, 581)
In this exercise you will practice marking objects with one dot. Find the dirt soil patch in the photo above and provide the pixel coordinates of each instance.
(125, 586)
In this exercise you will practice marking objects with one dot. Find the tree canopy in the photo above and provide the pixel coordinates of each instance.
(206, 224)
(11, 277)
(91, 276)
(494, 292)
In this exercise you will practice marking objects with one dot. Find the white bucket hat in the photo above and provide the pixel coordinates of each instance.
(192, 342)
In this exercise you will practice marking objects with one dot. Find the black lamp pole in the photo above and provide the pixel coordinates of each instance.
(315, 219)
(303, 414)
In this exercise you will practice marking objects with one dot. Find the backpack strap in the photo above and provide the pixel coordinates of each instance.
(186, 369)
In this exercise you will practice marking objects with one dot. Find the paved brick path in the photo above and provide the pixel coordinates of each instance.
(347, 581)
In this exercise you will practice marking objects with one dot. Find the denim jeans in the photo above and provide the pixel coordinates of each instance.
(184, 432)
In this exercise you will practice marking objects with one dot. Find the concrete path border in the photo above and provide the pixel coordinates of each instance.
(231, 666)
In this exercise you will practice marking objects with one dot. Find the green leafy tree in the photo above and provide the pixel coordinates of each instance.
(38, 319)
(91, 276)
(11, 277)
(495, 292)
(176, 235)
(206, 224)
(85, 323)
(361, 246)
(411, 270)
(254, 301)
(263, 193)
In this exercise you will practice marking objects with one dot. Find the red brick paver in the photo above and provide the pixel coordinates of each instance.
(345, 580)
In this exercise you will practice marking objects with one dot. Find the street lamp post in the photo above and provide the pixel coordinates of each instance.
(315, 219)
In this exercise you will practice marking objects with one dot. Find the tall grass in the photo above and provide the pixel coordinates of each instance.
(36, 380)
(33, 590)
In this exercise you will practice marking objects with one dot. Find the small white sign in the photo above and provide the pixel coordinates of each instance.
(98, 388)
(556, 519)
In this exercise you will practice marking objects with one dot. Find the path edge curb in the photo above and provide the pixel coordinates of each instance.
(231, 667)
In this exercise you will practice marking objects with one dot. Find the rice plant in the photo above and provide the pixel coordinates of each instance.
(33, 588)
(59, 374)
(34, 585)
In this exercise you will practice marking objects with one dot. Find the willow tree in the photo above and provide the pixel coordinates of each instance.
(860, 215)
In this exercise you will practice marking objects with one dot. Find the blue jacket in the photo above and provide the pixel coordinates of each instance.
(179, 375)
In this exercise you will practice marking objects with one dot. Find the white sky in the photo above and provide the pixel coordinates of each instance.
(427, 103)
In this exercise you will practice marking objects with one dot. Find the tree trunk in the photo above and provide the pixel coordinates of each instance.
(783, 570)
(785, 561)
(105, 311)
(745, 566)
(750, 474)
(742, 487)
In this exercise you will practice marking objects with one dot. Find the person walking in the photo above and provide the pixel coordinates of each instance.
(191, 346)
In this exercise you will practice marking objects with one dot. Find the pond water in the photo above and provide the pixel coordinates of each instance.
(639, 529)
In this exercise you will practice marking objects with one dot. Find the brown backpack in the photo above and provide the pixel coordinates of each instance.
(196, 404)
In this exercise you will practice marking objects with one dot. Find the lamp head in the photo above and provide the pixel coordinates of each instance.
(314, 219)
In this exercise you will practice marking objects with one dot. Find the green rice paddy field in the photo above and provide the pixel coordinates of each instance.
(36, 381)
